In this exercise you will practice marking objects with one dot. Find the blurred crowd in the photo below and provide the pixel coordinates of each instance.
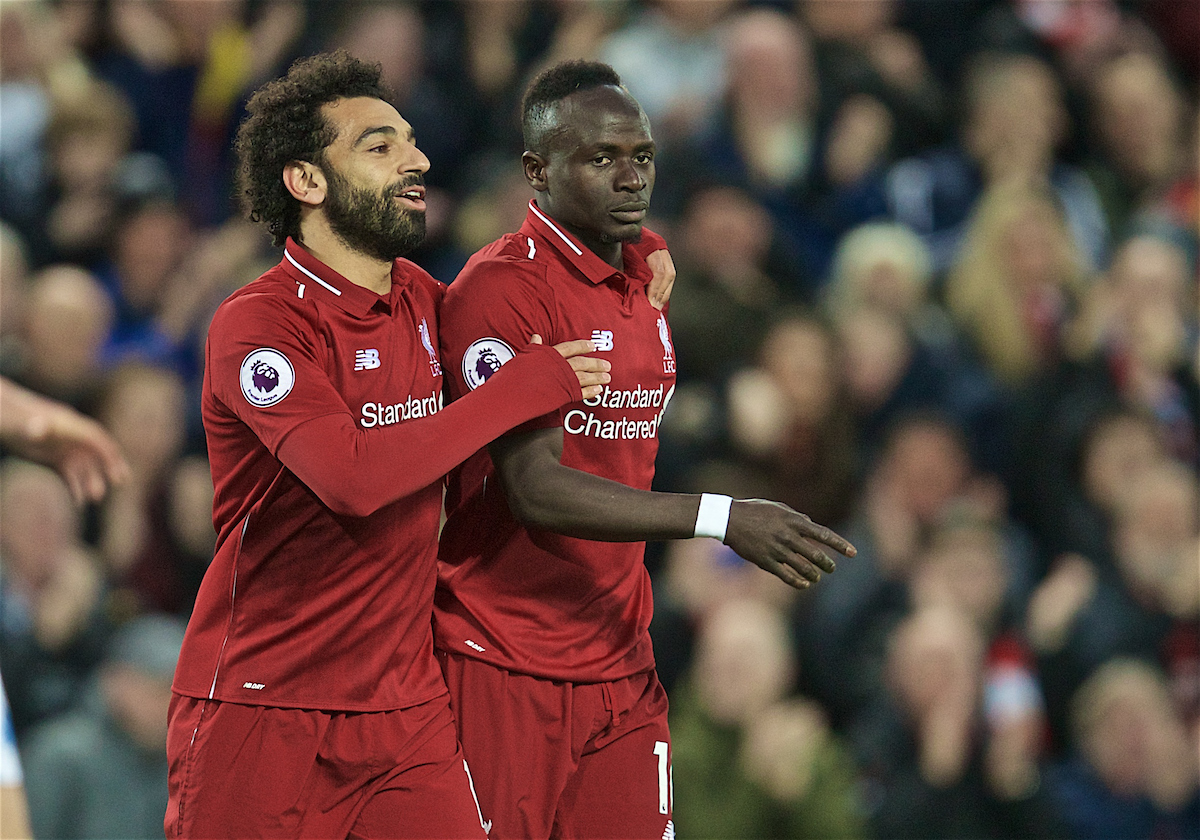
(937, 288)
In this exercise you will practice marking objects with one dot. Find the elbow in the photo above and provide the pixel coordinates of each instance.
(530, 510)
(349, 499)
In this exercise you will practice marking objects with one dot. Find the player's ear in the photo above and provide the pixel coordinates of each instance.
(305, 181)
(535, 170)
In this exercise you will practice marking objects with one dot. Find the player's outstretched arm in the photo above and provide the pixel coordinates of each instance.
(542, 493)
(54, 434)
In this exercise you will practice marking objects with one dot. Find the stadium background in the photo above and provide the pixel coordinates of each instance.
(937, 288)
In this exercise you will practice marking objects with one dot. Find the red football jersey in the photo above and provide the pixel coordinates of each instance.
(528, 600)
(328, 440)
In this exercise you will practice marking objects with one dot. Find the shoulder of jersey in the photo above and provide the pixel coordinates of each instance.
(274, 291)
(510, 258)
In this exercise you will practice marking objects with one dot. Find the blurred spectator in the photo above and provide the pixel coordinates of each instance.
(749, 762)
(53, 623)
(1015, 282)
(144, 407)
(14, 289)
(860, 52)
(1082, 614)
(92, 173)
(1138, 332)
(185, 67)
(923, 745)
(672, 58)
(899, 349)
(788, 419)
(1133, 772)
(67, 321)
(101, 771)
(1014, 124)
(733, 276)
(922, 475)
(966, 569)
(149, 245)
(767, 139)
(1140, 128)
(1080, 488)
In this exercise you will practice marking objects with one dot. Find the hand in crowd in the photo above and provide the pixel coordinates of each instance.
(57, 435)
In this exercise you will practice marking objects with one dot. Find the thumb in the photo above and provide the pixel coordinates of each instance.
(535, 339)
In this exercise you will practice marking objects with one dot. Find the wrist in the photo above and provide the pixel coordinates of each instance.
(712, 517)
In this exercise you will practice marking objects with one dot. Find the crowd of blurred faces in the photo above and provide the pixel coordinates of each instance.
(937, 288)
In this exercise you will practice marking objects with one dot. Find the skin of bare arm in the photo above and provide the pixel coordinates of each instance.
(542, 493)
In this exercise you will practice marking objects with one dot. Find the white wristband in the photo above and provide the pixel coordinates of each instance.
(713, 516)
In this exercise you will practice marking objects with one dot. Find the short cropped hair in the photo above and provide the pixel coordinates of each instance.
(538, 124)
(285, 124)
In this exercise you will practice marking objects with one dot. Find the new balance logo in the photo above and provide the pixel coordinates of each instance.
(366, 359)
(669, 831)
(603, 339)
(253, 685)
(474, 645)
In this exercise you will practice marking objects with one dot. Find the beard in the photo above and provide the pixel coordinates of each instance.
(371, 222)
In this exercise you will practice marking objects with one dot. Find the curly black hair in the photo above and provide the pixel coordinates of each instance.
(285, 124)
(551, 87)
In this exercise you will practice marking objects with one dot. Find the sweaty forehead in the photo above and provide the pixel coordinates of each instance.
(601, 114)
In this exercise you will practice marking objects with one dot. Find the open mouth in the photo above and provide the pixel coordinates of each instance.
(413, 196)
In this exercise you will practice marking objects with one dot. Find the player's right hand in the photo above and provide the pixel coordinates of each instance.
(592, 373)
(782, 541)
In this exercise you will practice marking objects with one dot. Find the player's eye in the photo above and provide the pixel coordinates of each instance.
(644, 158)
(602, 160)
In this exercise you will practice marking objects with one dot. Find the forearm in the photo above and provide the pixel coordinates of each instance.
(356, 472)
(18, 407)
(577, 504)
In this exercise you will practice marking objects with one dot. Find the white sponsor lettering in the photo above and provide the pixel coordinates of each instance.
(579, 422)
(638, 397)
(591, 424)
(385, 414)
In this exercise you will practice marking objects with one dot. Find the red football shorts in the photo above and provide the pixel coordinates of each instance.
(564, 760)
(259, 771)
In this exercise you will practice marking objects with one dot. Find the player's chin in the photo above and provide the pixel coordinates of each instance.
(631, 233)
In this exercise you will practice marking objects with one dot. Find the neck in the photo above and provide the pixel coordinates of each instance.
(611, 252)
(360, 269)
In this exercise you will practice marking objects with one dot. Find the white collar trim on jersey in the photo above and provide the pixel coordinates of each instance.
(309, 274)
(554, 228)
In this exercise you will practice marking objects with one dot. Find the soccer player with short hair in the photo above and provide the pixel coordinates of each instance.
(542, 629)
(307, 699)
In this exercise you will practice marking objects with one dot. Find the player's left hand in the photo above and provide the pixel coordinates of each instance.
(663, 266)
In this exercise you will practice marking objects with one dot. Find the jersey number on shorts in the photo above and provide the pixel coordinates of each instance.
(666, 784)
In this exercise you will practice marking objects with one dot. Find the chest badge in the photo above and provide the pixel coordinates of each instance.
(435, 366)
(603, 339)
(664, 335)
